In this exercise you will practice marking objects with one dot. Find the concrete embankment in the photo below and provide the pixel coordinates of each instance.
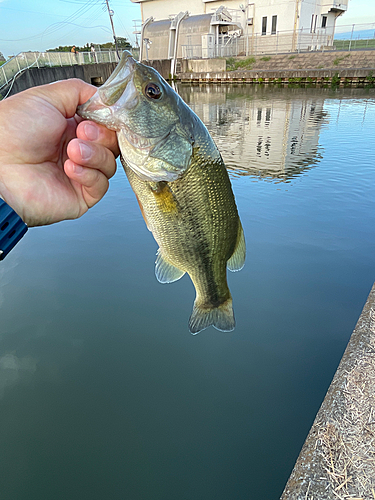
(90, 73)
(354, 67)
(337, 460)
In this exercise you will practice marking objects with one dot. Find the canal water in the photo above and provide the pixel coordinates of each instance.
(104, 393)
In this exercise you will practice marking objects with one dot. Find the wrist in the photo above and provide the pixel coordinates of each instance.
(12, 228)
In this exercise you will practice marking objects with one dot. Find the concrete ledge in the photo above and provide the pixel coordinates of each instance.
(90, 73)
(356, 75)
(337, 460)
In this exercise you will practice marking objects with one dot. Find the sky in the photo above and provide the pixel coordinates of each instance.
(39, 25)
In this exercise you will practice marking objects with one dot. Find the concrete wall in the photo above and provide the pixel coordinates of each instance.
(198, 65)
(90, 73)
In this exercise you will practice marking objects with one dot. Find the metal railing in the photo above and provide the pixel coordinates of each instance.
(350, 37)
(25, 60)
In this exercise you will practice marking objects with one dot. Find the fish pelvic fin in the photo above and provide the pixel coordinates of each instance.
(237, 261)
(166, 272)
(221, 317)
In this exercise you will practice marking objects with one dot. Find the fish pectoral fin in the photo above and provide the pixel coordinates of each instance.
(221, 318)
(176, 150)
(165, 271)
(237, 261)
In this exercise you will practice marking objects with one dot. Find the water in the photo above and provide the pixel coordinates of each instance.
(104, 392)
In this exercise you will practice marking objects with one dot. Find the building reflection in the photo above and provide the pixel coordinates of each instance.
(261, 131)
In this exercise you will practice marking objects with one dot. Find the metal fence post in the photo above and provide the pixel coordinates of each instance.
(351, 37)
(5, 76)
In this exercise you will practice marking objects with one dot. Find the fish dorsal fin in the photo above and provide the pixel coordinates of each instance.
(237, 261)
(165, 271)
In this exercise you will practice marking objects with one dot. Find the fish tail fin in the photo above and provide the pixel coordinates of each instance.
(221, 317)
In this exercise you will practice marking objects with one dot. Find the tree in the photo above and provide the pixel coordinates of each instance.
(2, 58)
(122, 44)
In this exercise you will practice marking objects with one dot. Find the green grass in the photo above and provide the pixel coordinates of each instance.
(266, 58)
(233, 64)
(337, 61)
(356, 44)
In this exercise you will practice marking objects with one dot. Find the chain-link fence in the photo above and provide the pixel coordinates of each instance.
(26, 60)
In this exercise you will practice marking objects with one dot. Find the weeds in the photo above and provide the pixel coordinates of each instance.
(335, 80)
(234, 64)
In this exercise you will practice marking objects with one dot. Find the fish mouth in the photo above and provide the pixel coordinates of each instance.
(113, 106)
(117, 92)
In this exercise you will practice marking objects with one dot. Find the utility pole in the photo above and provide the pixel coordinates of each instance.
(110, 13)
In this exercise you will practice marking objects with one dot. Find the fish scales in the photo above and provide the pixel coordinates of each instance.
(181, 185)
(198, 234)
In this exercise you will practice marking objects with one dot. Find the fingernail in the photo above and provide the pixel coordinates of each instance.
(92, 132)
(85, 151)
(78, 169)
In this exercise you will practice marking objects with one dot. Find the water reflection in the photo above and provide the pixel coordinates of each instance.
(258, 135)
(13, 369)
(105, 392)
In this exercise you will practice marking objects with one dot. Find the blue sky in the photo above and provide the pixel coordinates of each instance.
(40, 24)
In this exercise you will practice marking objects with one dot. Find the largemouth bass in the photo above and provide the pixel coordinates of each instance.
(181, 184)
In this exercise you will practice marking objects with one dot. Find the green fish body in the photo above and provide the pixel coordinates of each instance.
(181, 184)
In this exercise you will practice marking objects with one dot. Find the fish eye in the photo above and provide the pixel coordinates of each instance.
(152, 91)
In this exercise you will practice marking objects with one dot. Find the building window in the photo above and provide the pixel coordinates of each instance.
(264, 25)
(324, 21)
(274, 24)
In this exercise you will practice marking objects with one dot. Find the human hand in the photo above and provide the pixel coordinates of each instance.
(53, 165)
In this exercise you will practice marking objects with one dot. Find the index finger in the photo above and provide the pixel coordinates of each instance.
(91, 131)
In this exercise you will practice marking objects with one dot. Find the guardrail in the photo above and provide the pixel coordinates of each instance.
(25, 60)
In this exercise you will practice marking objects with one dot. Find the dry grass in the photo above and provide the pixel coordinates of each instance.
(348, 446)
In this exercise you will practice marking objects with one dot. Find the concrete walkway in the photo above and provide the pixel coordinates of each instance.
(337, 460)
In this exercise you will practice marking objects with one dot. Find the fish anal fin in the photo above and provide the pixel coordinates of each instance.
(165, 271)
(222, 317)
(237, 261)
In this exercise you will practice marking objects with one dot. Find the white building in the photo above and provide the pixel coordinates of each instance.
(274, 138)
(208, 28)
